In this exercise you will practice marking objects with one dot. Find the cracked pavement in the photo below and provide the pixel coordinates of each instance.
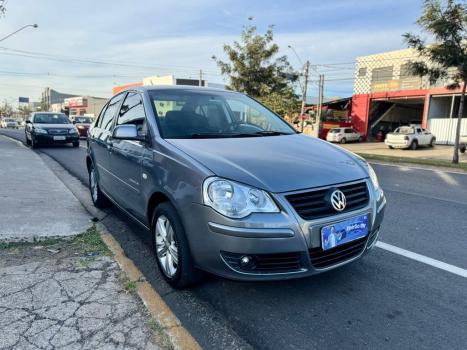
(68, 300)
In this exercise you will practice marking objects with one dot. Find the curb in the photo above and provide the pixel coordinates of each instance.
(159, 310)
(180, 337)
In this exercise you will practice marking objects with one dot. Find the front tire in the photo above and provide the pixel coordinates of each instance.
(171, 248)
(432, 142)
(76, 144)
(462, 149)
(33, 143)
(98, 198)
(414, 145)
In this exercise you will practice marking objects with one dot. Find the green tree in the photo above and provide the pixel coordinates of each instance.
(254, 68)
(6, 109)
(24, 111)
(446, 56)
(2, 7)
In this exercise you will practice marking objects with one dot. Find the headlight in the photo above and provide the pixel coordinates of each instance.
(373, 177)
(235, 200)
(40, 131)
(73, 131)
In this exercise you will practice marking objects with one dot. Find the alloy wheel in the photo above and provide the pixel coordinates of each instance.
(166, 246)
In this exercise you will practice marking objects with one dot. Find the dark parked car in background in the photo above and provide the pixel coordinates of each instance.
(82, 124)
(226, 186)
(50, 128)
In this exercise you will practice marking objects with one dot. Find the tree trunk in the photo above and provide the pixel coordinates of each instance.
(455, 157)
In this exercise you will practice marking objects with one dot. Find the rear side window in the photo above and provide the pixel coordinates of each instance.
(99, 118)
(132, 112)
(111, 110)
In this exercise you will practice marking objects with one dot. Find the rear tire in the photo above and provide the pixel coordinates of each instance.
(98, 198)
(462, 149)
(360, 139)
(414, 145)
(343, 140)
(171, 248)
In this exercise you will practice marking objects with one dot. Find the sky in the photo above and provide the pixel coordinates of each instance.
(87, 47)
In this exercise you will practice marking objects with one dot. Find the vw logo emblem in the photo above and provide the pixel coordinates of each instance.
(338, 200)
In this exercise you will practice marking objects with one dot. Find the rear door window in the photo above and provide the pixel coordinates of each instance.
(111, 110)
(132, 112)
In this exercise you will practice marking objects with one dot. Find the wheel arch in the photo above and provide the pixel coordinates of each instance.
(154, 200)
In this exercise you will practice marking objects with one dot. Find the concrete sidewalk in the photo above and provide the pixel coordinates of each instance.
(34, 203)
(60, 293)
(439, 152)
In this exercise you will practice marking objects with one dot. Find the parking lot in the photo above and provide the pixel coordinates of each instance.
(439, 152)
(409, 292)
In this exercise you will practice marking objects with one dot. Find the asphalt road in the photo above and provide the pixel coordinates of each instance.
(383, 301)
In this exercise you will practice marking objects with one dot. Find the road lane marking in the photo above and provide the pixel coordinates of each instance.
(446, 177)
(423, 259)
(457, 172)
(387, 190)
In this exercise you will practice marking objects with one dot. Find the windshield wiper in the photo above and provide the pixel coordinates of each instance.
(271, 133)
(215, 135)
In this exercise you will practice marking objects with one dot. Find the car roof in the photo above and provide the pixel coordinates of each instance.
(175, 87)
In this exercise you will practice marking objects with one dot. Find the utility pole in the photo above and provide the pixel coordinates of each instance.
(305, 87)
(200, 77)
(319, 105)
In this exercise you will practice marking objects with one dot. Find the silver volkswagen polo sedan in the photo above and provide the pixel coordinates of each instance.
(226, 186)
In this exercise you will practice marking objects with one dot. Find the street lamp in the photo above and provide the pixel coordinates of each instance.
(20, 29)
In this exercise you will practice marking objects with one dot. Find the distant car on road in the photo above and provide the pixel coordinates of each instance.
(223, 184)
(411, 136)
(50, 128)
(9, 123)
(82, 124)
(463, 143)
(343, 135)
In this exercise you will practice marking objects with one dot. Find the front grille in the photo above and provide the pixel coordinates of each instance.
(266, 263)
(313, 204)
(323, 258)
(58, 131)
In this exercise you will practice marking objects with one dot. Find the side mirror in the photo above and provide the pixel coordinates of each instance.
(74, 121)
(127, 132)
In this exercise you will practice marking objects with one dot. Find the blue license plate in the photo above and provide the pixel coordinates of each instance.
(343, 232)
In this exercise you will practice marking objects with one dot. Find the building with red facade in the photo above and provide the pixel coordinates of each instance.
(386, 95)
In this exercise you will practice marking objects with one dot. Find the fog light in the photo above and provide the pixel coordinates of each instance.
(247, 262)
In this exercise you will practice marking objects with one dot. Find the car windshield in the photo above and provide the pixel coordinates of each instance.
(185, 114)
(404, 130)
(51, 118)
(86, 120)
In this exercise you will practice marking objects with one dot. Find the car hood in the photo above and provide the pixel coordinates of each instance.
(275, 163)
(54, 126)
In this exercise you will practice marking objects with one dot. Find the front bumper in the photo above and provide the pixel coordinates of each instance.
(49, 139)
(282, 239)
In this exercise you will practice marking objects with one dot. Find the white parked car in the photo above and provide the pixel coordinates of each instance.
(9, 123)
(411, 137)
(463, 143)
(343, 135)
